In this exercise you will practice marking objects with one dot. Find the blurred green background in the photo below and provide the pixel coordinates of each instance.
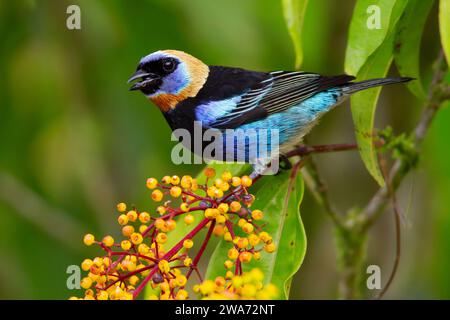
(74, 141)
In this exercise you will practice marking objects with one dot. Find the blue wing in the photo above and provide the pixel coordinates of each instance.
(279, 92)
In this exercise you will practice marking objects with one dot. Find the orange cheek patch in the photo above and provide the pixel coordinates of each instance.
(198, 72)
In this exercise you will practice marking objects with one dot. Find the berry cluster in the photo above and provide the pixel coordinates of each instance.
(247, 286)
(143, 257)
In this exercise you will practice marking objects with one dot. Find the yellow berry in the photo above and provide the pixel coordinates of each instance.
(209, 172)
(133, 280)
(218, 229)
(98, 261)
(228, 264)
(160, 224)
(152, 183)
(257, 214)
(102, 295)
(86, 264)
(218, 183)
(219, 281)
(182, 295)
(235, 206)
(223, 208)
(121, 207)
(108, 241)
(161, 210)
(171, 224)
(136, 238)
(132, 215)
(194, 185)
(184, 207)
(143, 248)
(88, 239)
(143, 228)
(235, 181)
(127, 230)
(163, 266)
(225, 187)
(221, 219)
(157, 195)
(122, 219)
(237, 281)
(188, 243)
(248, 290)
(245, 256)
(186, 182)
(256, 255)
(233, 254)
(86, 283)
(270, 247)
(248, 227)
(253, 239)
(264, 236)
(218, 193)
(227, 236)
(181, 280)
(207, 287)
(175, 191)
(188, 219)
(210, 191)
(211, 213)
(144, 217)
(226, 176)
(166, 179)
(187, 262)
(125, 244)
(175, 180)
(161, 238)
(242, 222)
(246, 181)
(242, 243)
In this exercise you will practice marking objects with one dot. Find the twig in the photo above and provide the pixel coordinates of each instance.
(305, 150)
(398, 236)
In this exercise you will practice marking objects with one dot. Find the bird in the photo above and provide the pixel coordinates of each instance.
(230, 99)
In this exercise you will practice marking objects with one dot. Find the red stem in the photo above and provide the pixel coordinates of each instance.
(169, 255)
(201, 250)
(173, 215)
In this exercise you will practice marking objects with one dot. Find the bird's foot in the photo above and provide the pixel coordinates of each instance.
(285, 163)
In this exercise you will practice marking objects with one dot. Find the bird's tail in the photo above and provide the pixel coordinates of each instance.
(366, 84)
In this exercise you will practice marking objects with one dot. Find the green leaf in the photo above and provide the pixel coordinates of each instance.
(407, 43)
(362, 41)
(294, 13)
(286, 227)
(444, 27)
(369, 55)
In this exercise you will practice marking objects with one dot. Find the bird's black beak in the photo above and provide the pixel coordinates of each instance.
(146, 78)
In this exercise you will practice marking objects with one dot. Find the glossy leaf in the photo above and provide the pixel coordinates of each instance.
(407, 43)
(286, 227)
(444, 27)
(362, 40)
(294, 13)
(369, 55)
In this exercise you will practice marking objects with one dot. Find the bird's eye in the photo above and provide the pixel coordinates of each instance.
(168, 65)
